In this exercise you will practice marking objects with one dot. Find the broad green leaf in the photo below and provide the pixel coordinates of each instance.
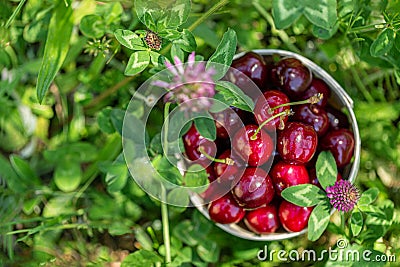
(176, 51)
(231, 90)
(178, 12)
(326, 169)
(151, 14)
(157, 59)
(142, 258)
(129, 39)
(9, 175)
(320, 13)
(178, 197)
(184, 232)
(24, 171)
(137, 63)
(304, 195)
(104, 121)
(222, 101)
(318, 221)
(143, 238)
(186, 42)
(68, 175)
(324, 34)
(356, 222)
(196, 176)
(111, 12)
(285, 12)
(92, 26)
(206, 127)
(368, 196)
(208, 250)
(116, 174)
(56, 47)
(61, 204)
(79, 152)
(170, 34)
(117, 119)
(383, 43)
(224, 53)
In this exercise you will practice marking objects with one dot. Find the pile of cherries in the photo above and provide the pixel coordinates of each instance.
(248, 171)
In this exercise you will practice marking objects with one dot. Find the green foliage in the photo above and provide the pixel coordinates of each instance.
(66, 195)
(326, 169)
(56, 48)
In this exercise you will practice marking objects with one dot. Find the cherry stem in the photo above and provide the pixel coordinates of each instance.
(312, 100)
(286, 112)
(227, 161)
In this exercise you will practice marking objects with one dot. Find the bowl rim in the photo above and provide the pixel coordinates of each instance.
(345, 100)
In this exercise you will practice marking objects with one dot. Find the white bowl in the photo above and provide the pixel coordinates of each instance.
(339, 98)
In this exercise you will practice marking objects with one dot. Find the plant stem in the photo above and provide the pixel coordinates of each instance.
(287, 112)
(217, 6)
(342, 220)
(312, 100)
(15, 13)
(227, 161)
(164, 205)
(361, 86)
(108, 92)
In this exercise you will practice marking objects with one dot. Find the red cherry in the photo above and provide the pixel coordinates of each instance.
(341, 144)
(192, 141)
(337, 119)
(256, 152)
(285, 174)
(254, 189)
(228, 121)
(293, 218)
(312, 115)
(268, 101)
(228, 174)
(263, 220)
(253, 66)
(225, 210)
(290, 75)
(317, 86)
(297, 143)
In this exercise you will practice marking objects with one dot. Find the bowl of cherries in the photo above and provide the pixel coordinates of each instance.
(300, 111)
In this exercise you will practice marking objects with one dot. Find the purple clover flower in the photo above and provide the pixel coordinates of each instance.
(190, 81)
(343, 195)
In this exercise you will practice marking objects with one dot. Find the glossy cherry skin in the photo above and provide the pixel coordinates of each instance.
(267, 101)
(297, 143)
(317, 86)
(263, 220)
(341, 144)
(284, 174)
(229, 121)
(292, 217)
(229, 174)
(253, 66)
(312, 115)
(225, 210)
(314, 180)
(337, 119)
(192, 140)
(254, 189)
(291, 76)
(255, 152)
